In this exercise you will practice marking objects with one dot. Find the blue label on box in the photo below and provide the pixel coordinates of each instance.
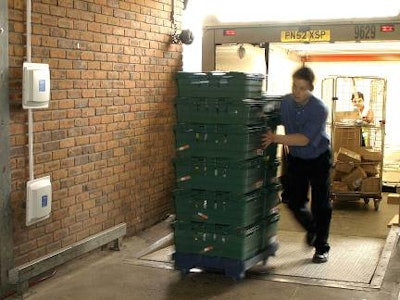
(42, 85)
(44, 200)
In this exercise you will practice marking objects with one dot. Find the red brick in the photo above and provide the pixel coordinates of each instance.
(73, 209)
(95, 211)
(52, 247)
(36, 232)
(59, 154)
(51, 166)
(81, 216)
(60, 234)
(27, 247)
(38, 252)
(95, 229)
(101, 218)
(67, 143)
(88, 204)
(77, 226)
(82, 196)
(45, 240)
(105, 101)
(68, 240)
(67, 201)
(75, 190)
(53, 226)
(83, 234)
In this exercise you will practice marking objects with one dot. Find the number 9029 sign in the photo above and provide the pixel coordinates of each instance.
(364, 32)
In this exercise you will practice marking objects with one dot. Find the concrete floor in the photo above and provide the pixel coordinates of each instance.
(107, 275)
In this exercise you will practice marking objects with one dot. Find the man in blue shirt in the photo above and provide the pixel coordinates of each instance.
(309, 160)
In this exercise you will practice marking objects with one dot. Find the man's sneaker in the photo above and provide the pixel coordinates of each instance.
(320, 258)
(310, 238)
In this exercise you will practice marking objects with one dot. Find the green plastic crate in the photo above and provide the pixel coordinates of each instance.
(219, 110)
(218, 240)
(270, 229)
(271, 166)
(221, 207)
(191, 83)
(217, 173)
(220, 84)
(233, 141)
(272, 104)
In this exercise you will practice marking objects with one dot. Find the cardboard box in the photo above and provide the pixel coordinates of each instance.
(338, 186)
(368, 155)
(355, 178)
(349, 116)
(371, 185)
(348, 137)
(344, 167)
(337, 175)
(347, 155)
(370, 168)
(393, 198)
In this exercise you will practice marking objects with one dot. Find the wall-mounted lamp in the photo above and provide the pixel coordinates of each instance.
(185, 37)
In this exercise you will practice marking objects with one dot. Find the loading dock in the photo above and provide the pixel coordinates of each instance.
(357, 31)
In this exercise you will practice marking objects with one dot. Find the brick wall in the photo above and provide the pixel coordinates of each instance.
(107, 138)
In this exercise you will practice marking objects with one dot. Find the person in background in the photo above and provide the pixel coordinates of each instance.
(366, 114)
(309, 160)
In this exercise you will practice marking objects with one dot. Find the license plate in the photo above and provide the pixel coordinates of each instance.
(318, 35)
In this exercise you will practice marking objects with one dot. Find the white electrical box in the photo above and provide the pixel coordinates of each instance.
(38, 201)
(35, 85)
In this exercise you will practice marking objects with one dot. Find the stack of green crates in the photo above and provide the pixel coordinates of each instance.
(220, 84)
(226, 198)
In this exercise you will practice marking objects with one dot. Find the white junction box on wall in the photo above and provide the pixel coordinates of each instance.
(38, 201)
(35, 85)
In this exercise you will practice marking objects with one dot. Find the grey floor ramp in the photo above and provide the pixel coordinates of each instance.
(354, 262)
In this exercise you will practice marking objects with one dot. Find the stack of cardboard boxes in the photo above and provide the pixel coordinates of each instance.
(357, 170)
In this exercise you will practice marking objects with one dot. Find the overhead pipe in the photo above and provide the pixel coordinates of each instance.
(28, 30)
(29, 59)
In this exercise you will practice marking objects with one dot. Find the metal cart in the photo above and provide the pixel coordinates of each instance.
(357, 145)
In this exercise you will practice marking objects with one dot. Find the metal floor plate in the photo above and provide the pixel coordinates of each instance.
(354, 262)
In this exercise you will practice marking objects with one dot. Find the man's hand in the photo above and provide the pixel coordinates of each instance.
(267, 138)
